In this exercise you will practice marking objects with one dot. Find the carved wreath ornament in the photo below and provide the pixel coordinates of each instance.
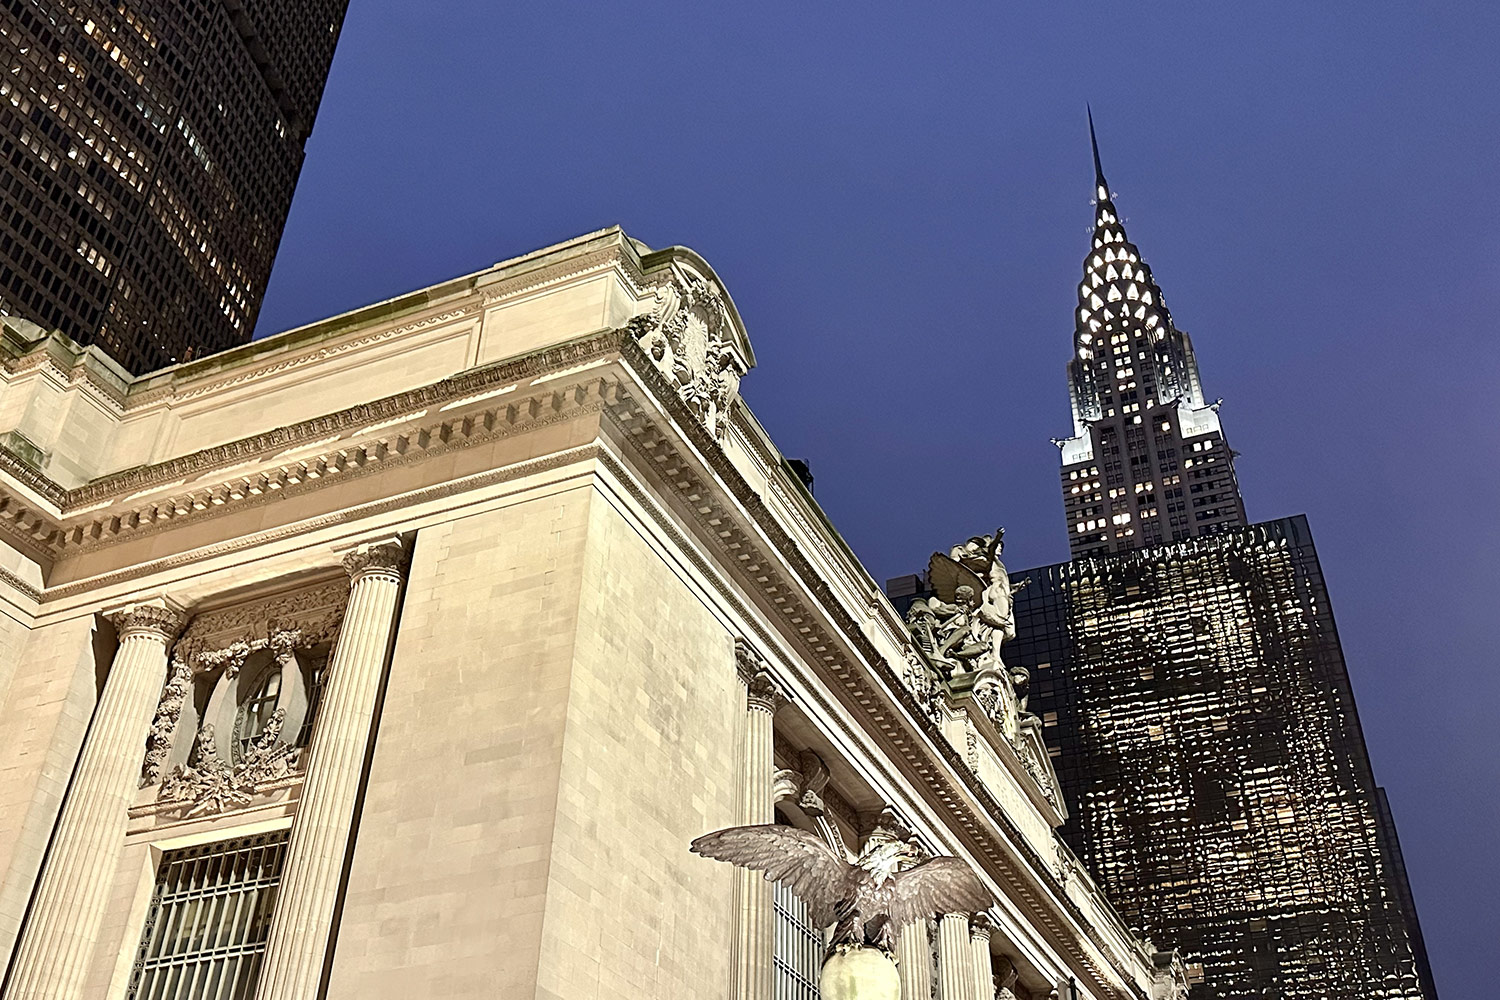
(208, 784)
(213, 649)
(689, 334)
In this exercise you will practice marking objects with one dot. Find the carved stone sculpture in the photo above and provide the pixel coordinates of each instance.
(207, 784)
(970, 616)
(869, 900)
(219, 643)
(1169, 981)
(164, 723)
(687, 333)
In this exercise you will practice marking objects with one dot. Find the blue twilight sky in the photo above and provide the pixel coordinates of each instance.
(897, 196)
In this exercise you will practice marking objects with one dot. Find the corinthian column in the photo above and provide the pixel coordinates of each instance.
(297, 945)
(755, 935)
(57, 941)
(980, 929)
(955, 958)
(914, 961)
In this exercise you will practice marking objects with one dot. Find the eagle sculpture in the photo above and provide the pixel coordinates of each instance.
(871, 899)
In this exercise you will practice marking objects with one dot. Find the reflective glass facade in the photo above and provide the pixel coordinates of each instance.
(1196, 703)
(148, 154)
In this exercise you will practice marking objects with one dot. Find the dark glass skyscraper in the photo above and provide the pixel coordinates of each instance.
(148, 154)
(1196, 700)
(1147, 461)
(1192, 689)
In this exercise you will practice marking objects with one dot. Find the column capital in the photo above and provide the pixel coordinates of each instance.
(981, 927)
(763, 693)
(159, 618)
(747, 662)
(384, 557)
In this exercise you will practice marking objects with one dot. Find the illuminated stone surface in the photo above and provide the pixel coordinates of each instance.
(609, 580)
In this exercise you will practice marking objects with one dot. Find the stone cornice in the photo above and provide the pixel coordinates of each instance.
(350, 515)
(317, 428)
(25, 474)
(62, 524)
(344, 456)
(10, 579)
(909, 733)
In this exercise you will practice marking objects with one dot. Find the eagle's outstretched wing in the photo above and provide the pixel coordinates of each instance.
(937, 885)
(796, 858)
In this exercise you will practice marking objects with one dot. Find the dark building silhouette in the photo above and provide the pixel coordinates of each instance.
(1147, 462)
(148, 154)
(1196, 701)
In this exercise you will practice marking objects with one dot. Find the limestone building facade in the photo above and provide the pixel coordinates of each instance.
(403, 654)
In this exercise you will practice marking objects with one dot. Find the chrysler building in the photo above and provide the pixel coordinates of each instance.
(1147, 462)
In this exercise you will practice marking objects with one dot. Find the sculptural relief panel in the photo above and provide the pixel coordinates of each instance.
(241, 694)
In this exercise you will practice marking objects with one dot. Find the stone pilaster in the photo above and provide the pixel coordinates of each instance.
(914, 961)
(755, 934)
(955, 958)
(57, 941)
(980, 929)
(297, 946)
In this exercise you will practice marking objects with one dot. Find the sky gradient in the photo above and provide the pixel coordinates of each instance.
(897, 197)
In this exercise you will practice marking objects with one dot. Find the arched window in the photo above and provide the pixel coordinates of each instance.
(256, 710)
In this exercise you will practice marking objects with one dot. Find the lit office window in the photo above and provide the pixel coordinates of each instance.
(206, 931)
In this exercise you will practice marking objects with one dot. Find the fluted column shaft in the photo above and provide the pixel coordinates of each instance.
(755, 939)
(955, 958)
(983, 965)
(297, 944)
(58, 939)
(914, 962)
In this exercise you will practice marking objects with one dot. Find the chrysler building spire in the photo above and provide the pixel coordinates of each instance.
(1099, 182)
(1147, 462)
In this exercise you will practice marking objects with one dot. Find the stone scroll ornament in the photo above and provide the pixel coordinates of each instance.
(868, 901)
(688, 334)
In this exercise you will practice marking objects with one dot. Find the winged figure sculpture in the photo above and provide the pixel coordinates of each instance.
(870, 899)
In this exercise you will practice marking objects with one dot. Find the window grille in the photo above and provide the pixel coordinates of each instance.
(206, 931)
(798, 956)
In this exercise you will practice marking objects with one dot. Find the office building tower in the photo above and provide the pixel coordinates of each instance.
(1147, 462)
(1189, 680)
(1195, 698)
(148, 154)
